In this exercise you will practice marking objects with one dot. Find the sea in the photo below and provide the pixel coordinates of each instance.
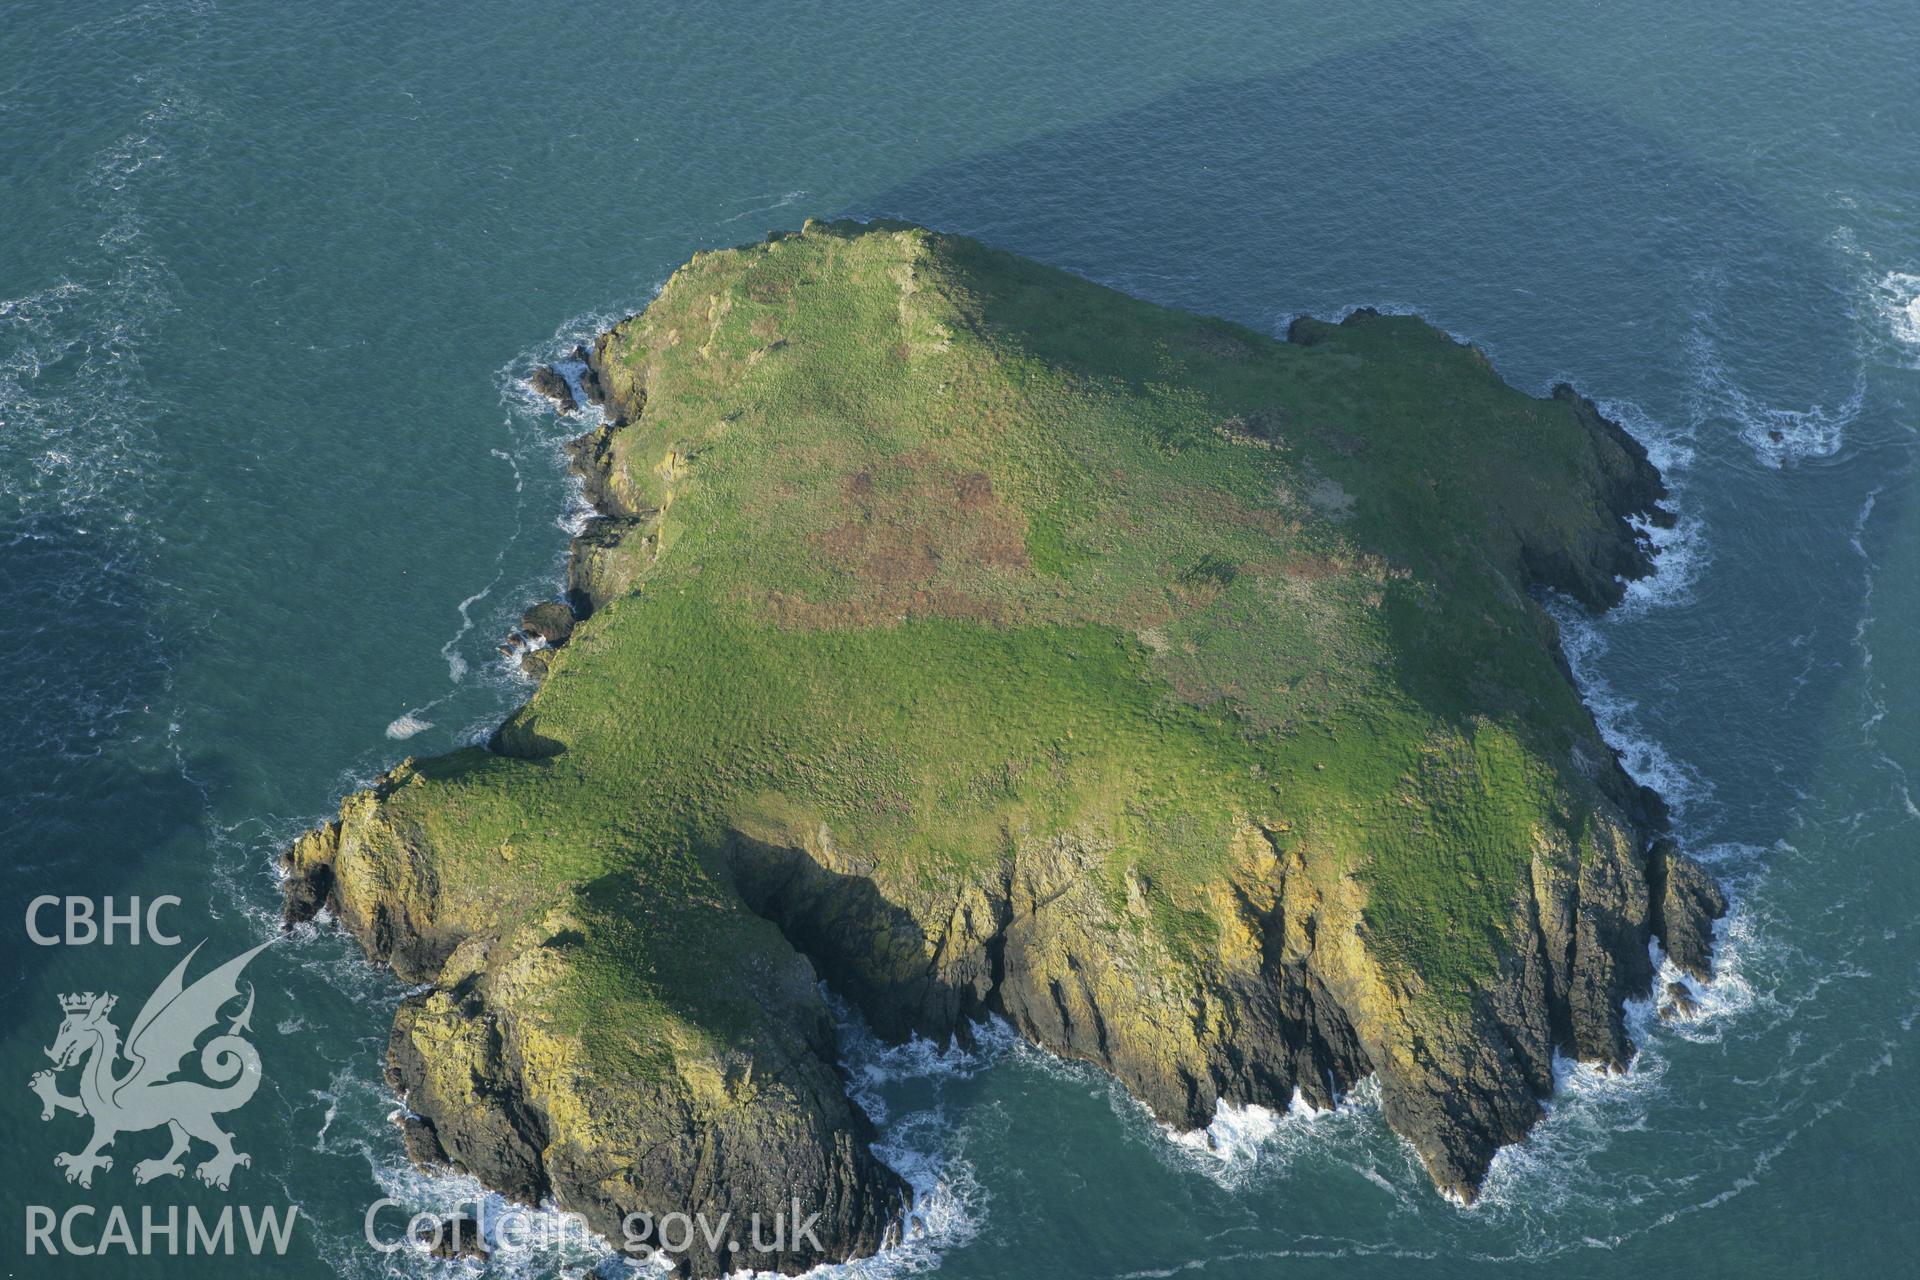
(273, 489)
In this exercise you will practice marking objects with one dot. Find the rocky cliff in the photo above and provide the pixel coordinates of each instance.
(979, 641)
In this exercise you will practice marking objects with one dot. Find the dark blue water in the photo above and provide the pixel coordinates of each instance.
(268, 484)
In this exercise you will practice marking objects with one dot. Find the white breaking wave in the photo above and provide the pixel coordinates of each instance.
(457, 665)
(407, 726)
(923, 1144)
(1776, 435)
(1680, 552)
(1731, 992)
(1896, 301)
(1680, 555)
(1646, 761)
(1237, 1132)
(1243, 1138)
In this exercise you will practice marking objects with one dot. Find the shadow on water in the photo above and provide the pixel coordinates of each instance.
(1427, 173)
(1571, 243)
(84, 770)
(1424, 172)
(90, 796)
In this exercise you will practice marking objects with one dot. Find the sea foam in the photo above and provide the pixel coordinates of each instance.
(923, 1144)
(1777, 435)
(1896, 301)
(407, 726)
(1646, 761)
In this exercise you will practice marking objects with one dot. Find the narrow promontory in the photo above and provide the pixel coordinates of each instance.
(980, 641)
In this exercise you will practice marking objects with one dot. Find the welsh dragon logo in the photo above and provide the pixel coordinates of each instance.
(145, 1095)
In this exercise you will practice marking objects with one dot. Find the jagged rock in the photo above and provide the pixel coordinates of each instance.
(549, 382)
(552, 621)
(1680, 1004)
(454, 1236)
(421, 1142)
(624, 1016)
(590, 384)
(1686, 902)
(309, 887)
(607, 559)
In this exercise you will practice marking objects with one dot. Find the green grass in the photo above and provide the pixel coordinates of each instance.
(958, 549)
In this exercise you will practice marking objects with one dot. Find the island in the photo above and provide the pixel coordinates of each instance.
(971, 640)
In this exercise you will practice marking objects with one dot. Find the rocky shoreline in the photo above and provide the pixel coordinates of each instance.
(1292, 1001)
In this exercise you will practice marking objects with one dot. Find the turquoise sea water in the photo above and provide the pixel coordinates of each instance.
(269, 276)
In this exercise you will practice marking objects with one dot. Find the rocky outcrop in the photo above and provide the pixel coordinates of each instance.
(551, 383)
(1592, 563)
(1680, 1004)
(1596, 573)
(498, 1087)
(590, 383)
(1270, 984)
(1289, 999)
(617, 544)
(506, 1102)
(550, 621)
(454, 1237)
(1685, 901)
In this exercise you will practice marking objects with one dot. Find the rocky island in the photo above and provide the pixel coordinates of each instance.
(977, 640)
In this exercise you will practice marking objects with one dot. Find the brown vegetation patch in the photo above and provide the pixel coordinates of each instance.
(1314, 568)
(897, 557)
(974, 491)
(768, 290)
(911, 537)
(1223, 508)
(1002, 545)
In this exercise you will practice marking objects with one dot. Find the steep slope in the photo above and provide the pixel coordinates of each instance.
(984, 641)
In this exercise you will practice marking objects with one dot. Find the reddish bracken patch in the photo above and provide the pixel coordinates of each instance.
(1310, 568)
(911, 537)
(974, 491)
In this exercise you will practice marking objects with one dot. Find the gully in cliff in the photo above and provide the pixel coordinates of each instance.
(982, 641)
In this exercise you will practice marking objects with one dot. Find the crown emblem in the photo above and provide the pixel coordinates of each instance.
(145, 1095)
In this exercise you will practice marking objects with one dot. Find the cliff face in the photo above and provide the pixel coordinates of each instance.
(982, 642)
(505, 1083)
(1289, 999)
